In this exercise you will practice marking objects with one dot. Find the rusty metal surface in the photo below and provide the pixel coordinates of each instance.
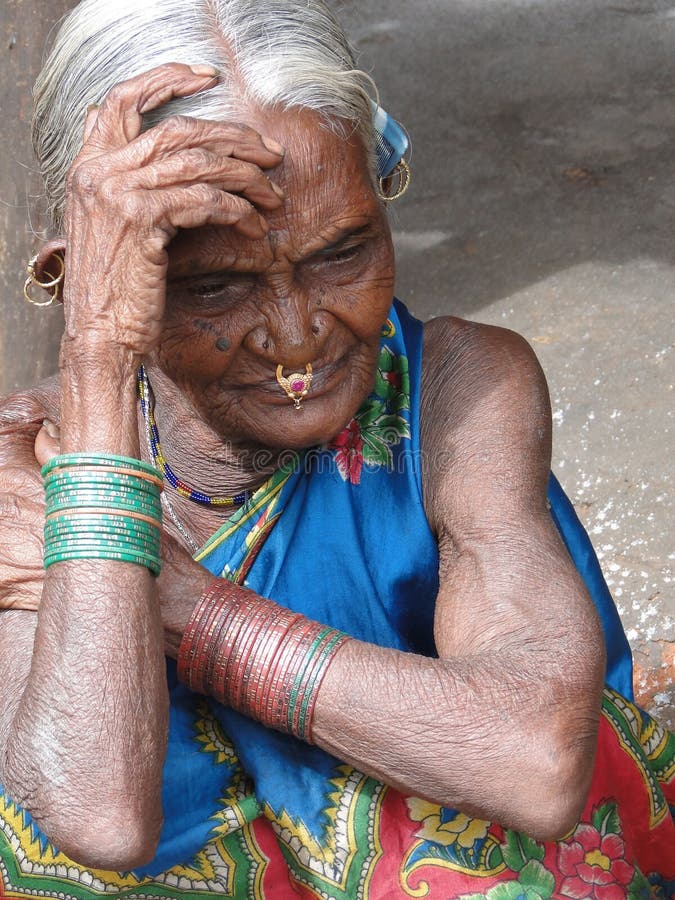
(29, 336)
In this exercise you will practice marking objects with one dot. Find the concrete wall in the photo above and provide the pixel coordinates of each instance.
(29, 336)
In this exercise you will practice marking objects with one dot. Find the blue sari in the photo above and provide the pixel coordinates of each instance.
(340, 535)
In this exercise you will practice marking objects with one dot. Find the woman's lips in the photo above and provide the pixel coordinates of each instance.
(322, 378)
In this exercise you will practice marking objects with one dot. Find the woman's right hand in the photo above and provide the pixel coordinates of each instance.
(128, 193)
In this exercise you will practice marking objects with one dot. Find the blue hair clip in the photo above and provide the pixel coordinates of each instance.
(391, 141)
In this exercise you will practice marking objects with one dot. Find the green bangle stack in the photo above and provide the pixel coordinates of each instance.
(102, 506)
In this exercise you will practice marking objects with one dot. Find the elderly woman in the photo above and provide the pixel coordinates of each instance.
(390, 671)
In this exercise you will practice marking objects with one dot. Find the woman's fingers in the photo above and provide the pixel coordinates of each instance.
(201, 204)
(177, 152)
(200, 166)
(120, 116)
(47, 443)
(179, 134)
(159, 92)
(228, 138)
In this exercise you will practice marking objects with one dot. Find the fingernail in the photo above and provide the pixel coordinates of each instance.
(92, 107)
(51, 429)
(274, 146)
(264, 224)
(280, 192)
(200, 69)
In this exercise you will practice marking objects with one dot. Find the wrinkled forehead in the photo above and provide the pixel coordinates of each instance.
(329, 191)
(315, 148)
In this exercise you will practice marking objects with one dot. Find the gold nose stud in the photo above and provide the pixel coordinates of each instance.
(297, 385)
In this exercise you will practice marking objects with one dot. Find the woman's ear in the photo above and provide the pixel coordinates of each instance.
(45, 268)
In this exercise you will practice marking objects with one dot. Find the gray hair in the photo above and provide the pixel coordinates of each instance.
(270, 53)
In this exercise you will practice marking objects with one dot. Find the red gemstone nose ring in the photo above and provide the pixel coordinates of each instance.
(296, 386)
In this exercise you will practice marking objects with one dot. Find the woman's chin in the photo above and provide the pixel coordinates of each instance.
(316, 421)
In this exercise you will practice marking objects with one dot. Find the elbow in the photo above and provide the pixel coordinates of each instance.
(115, 841)
(557, 759)
(555, 789)
(554, 818)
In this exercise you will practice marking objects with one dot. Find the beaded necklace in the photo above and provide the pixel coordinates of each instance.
(155, 447)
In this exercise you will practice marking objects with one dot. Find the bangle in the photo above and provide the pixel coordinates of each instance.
(103, 461)
(102, 514)
(141, 559)
(257, 657)
(101, 506)
(103, 476)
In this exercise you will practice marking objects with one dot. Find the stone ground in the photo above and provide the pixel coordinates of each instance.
(543, 199)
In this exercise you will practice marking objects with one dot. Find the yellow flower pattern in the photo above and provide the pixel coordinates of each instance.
(459, 829)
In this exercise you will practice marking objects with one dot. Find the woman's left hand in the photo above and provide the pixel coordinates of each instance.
(22, 516)
(22, 503)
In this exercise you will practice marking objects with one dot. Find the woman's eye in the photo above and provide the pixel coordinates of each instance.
(222, 288)
(208, 291)
(346, 254)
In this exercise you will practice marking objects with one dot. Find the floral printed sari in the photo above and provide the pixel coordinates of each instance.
(256, 815)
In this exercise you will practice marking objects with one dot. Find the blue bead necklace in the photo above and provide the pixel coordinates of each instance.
(159, 460)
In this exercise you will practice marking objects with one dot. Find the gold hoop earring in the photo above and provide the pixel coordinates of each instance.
(53, 286)
(401, 171)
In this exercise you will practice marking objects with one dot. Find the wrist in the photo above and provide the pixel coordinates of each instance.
(179, 598)
(257, 657)
(98, 399)
(93, 350)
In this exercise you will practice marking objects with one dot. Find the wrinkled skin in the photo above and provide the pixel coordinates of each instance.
(181, 252)
(316, 289)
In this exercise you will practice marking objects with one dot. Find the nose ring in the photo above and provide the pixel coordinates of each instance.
(297, 385)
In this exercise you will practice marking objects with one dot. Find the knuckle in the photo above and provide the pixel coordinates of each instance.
(206, 193)
(250, 172)
(84, 181)
(240, 175)
(245, 131)
(173, 124)
(128, 206)
(170, 132)
(243, 208)
(109, 195)
(118, 93)
(197, 158)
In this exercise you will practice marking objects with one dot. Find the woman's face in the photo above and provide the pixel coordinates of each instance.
(317, 289)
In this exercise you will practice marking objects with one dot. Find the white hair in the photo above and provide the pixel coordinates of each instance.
(269, 53)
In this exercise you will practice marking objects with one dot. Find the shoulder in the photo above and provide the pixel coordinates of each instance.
(462, 356)
(485, 410)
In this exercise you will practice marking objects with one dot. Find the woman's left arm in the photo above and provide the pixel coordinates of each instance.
(503, 725)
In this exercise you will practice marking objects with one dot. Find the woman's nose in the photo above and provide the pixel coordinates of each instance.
(292, 334)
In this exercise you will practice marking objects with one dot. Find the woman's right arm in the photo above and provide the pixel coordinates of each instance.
(83, 710)
(58, 696)
(84, 730)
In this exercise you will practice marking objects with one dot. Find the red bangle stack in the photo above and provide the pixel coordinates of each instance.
(257, 657)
